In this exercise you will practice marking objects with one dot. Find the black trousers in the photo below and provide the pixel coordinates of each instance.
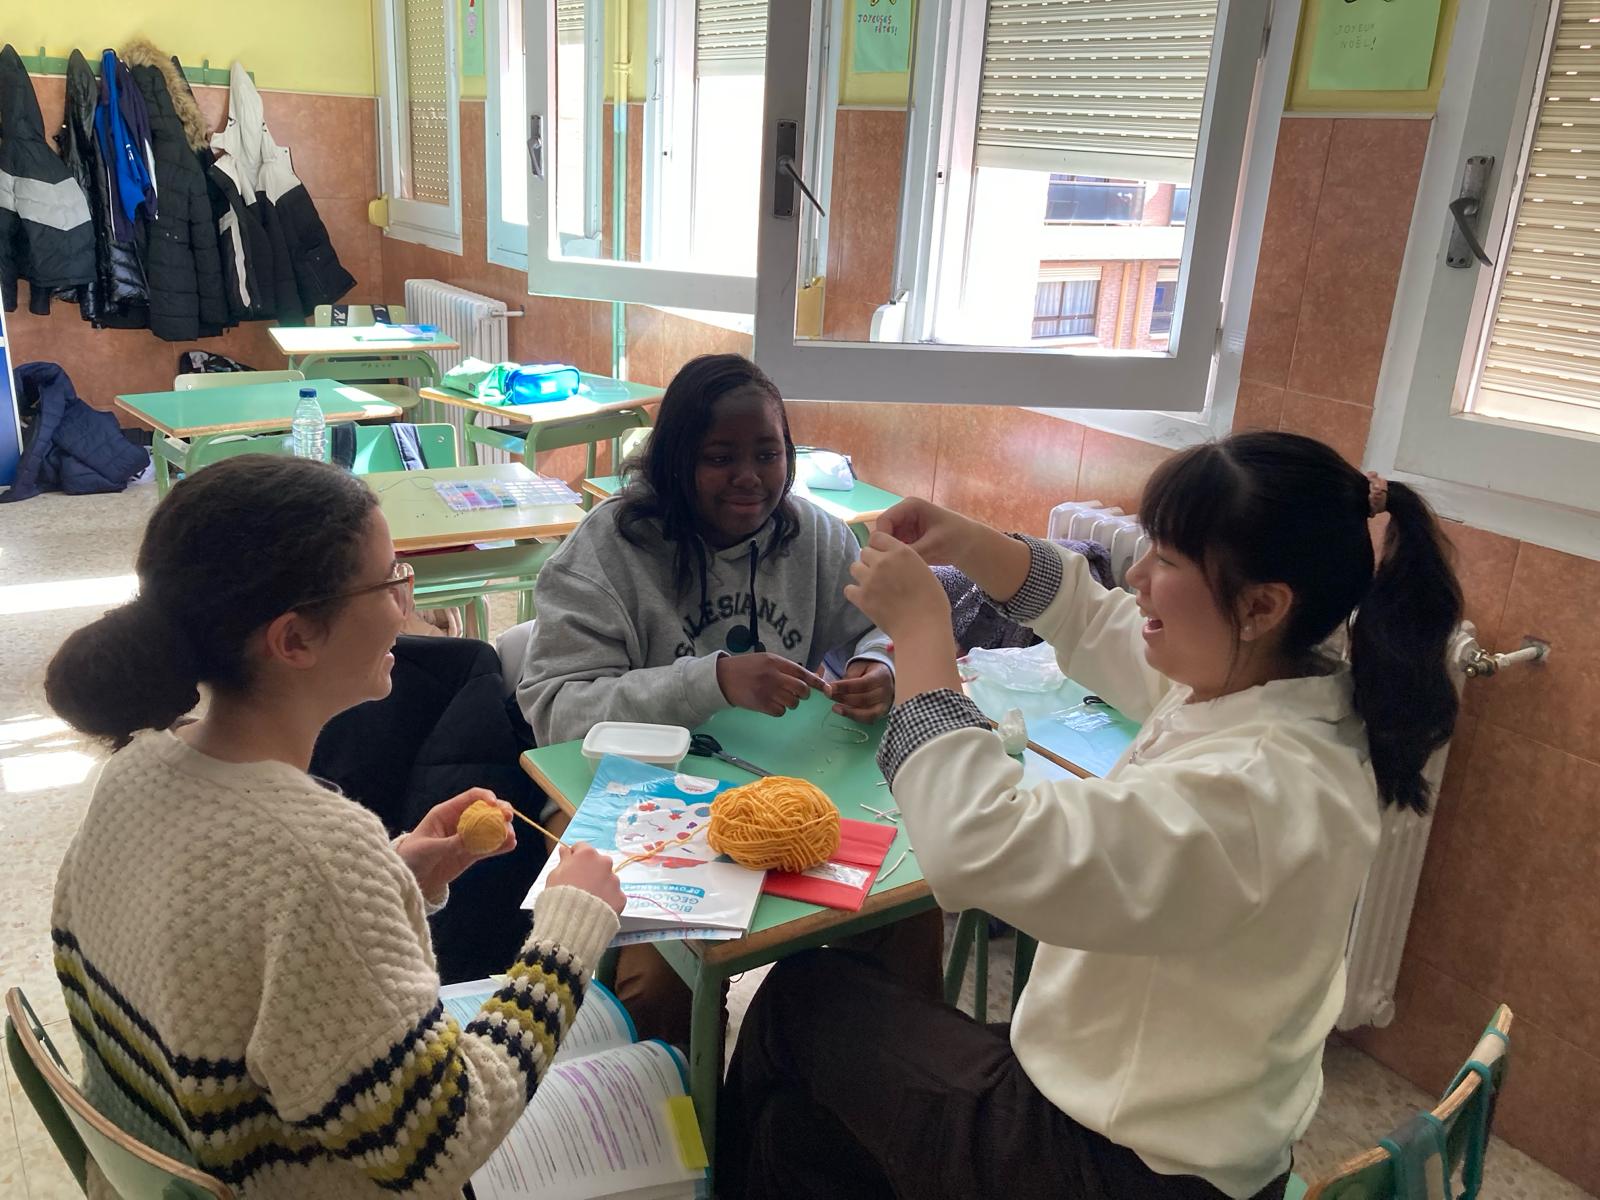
(848, 1085)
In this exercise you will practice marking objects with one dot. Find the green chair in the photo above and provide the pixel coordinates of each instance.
(364, 370)
(1423, 1158)
(81, 1132)
(376, 449)
(206, 380)
(972, 940)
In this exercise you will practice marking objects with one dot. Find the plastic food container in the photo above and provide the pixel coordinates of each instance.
(658, 745)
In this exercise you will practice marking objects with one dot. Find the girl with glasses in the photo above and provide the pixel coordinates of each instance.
(243, 951)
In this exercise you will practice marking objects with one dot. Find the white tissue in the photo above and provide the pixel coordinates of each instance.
(1013, 732)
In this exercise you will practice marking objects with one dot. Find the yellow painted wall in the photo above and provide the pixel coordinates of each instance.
(291, 45)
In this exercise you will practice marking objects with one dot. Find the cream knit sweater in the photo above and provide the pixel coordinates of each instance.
(246, 963)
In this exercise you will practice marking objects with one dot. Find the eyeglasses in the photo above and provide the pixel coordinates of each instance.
(402, 577)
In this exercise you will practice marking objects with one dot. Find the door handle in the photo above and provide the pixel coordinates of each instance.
(536, 145)
(1465, 248)
(788, 178)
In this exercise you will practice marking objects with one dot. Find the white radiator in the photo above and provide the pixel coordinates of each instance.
(474, 320)
(1383, 911)
(1090, 521)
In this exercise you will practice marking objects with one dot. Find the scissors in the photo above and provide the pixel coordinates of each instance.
(703, 745)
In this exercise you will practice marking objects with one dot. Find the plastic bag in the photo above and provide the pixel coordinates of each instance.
(1031, 669)
(1084, 718)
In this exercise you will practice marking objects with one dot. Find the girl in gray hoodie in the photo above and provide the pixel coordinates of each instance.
(705, 584)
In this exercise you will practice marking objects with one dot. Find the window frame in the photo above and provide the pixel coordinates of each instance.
(437, 226)
(1525, 481)
(948, 374)
(609, 279)
(507, 241)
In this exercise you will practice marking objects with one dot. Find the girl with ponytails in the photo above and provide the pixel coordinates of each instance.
(1191, 907)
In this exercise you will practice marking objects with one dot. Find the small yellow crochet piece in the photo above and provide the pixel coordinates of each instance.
(482, 827)
(789, 824)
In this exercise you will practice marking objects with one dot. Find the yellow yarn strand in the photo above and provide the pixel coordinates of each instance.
(777, 822)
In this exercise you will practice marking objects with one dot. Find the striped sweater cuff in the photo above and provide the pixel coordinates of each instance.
(921, 719)
(581, 924)
(1042, 585)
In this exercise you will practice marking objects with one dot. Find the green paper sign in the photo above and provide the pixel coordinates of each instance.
(472, 17)
(1374, 45)
(882, 36)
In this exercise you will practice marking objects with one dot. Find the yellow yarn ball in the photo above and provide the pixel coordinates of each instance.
(482, 827)
(777, 822)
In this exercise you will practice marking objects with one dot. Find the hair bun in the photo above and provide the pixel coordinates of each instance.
(133, 669)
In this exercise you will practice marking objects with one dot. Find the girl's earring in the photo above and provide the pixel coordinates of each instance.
(1249, 632)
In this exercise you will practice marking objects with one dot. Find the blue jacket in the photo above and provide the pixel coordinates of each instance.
(123, 125)
(66, 445)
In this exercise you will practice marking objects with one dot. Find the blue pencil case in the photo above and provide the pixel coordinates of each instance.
(538, 383)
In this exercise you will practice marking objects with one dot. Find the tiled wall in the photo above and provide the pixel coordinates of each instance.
(331, 141)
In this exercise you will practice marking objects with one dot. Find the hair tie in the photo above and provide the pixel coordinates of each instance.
(1377, 494)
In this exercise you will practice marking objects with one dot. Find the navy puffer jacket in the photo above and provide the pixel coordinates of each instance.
(66, 445)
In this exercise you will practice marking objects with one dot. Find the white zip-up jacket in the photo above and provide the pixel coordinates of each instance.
(1191, 907)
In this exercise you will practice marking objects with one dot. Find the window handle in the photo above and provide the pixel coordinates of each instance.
(788, 178)
(536, 145)
(1464, 245)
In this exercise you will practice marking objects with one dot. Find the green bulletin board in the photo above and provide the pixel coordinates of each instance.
(882, 36)
(1374, 45)
(1399, 77)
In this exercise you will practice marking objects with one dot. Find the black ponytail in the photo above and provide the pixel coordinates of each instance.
(229, 549)
(1281, 508)
(1398, 643)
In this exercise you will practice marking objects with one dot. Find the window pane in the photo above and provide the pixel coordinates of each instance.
(1062, 158)
(727, 176)
(422, 104)
(1072, 199)
(513, 128)
(659, 163)
(572, 146)
(1540, 362)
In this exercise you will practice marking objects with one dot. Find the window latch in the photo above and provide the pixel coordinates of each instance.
(1465, 248)
(783, 203)
(536, 145)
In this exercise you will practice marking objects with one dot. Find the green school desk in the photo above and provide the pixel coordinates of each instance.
(858, 508)
(185, 421)
(420, 520)
(1088, 753)
(608, 409)
(810, 743)
(301, 343)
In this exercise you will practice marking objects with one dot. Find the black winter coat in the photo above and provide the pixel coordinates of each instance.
(179, 248)
(46, 234)
(118, 294)
(66, 445)
(445, 727)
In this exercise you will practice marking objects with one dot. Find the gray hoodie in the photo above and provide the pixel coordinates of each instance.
(615, 642)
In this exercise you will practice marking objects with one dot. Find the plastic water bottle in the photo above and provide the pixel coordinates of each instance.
(308, 430)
